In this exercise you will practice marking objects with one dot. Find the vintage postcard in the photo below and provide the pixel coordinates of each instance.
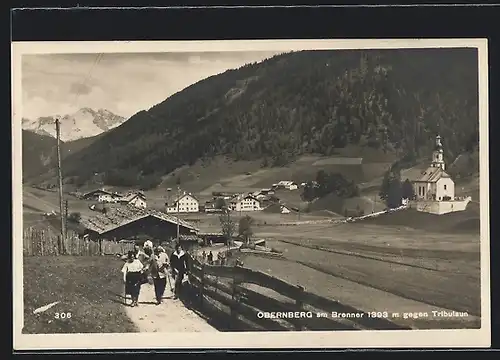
(251, 194)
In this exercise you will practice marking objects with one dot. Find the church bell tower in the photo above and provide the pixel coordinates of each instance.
(437, 155)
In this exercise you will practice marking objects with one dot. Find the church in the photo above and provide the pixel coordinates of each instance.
(434, 189)
(435, 183)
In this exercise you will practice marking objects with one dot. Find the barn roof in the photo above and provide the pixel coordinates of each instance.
(240, 198)
(98, 191)
(132, 196)
(117, 216)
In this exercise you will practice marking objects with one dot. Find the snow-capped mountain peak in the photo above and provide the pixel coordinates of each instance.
(84, 123)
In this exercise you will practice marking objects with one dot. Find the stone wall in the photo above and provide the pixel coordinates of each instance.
(441, 207)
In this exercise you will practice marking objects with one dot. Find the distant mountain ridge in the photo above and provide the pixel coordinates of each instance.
(84, 123)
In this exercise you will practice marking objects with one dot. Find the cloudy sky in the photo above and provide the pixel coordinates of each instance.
(122, 83)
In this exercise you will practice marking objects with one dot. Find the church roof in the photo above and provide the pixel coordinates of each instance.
(432, 174)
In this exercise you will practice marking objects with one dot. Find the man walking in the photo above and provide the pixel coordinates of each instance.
(178, 262)
(160, 273)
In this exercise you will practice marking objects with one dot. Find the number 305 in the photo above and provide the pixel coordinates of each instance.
(62, 315)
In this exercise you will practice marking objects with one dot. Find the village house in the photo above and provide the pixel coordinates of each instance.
(135, 199)
(245, 203)
(434, 189)
(288, 185)
(187, 203)
(267, 191)
(102, 195)
(285, 210)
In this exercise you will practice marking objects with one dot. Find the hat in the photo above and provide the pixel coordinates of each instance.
(160, 249)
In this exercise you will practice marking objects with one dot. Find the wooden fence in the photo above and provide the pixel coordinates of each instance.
(46, 242)
(242, 299)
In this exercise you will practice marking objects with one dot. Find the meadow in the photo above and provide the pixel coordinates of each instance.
(95, 303)
(379, 268)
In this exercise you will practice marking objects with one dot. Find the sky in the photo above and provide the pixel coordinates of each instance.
(60, 84)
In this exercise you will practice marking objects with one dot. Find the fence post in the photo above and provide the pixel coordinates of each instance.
(300, 305)
(42, 245)
(202, 285)
(234, 299)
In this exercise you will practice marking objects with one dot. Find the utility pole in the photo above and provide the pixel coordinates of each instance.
(59, 173)
(178, 197)
(66, 213)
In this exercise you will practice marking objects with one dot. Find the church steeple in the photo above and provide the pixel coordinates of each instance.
(437, 155)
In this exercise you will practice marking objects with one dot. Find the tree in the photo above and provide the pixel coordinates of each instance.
(394, 198)
(407, 190)
(391, 175)
(220, 203)
(384, 188)
(227, 226)
(75, 217)
(245, 228)
(308, 194)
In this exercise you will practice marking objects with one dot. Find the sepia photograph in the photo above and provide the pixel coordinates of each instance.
(313, 193)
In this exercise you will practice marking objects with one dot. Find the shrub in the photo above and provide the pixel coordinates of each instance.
(75, 217)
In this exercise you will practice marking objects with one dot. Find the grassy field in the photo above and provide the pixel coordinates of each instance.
(90, 288)
(222, 174)
(46, 201)
(379, 268)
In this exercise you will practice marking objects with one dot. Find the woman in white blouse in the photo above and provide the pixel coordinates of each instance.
(132, 277)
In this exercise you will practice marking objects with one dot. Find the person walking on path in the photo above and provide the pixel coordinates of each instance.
(178, 262)
(140, 254)
(132, 277)
(210, 258)
(148, 244)
(159, 273)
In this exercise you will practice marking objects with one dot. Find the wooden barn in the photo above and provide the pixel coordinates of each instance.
(140, 225)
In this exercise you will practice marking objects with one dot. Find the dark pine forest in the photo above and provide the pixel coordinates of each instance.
(297, 103)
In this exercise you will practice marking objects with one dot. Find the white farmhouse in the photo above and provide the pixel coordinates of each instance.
(289, 185)
(187, 203)
(137, 200)
(246, 203)
(102, 195)
(284, 209)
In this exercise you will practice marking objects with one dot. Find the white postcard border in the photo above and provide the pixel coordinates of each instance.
(305, 339)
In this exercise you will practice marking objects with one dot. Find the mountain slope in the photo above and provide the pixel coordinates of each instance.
(297, 103)
(39, 152)
(84, 123)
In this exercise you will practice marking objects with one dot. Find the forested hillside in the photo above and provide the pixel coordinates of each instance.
(40, 154)
(296, 103)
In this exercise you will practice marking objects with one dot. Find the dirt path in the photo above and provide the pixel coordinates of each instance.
(170, 316)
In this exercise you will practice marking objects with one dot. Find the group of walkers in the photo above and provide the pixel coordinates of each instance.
(153, 265)
(209, 258)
